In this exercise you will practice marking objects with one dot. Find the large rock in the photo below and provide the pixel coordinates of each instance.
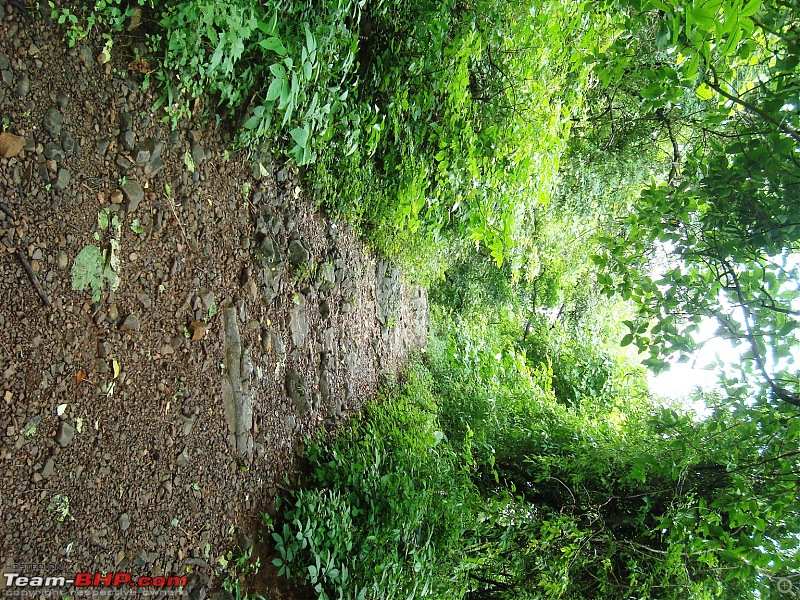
(236, 391)
(10, 144)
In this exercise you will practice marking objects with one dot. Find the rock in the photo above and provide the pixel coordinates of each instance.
(326, 277)
(131, 323)
(198, 155)
(298, 254)
(116, 197)
(23, 85)
(267, 251)
(62, 260)
(124, 522)
(237, 394)
(86, 56)
(53, 151)
(298, 322)
(4, 64)
(244, 541)
(62, 181)
(96, 538)
(65, 434)
(222, 595)
(52, 121)
(102, 146)
(47, 468)
(154, 166)
(127, 140)
(67, 143)
(207, 298)
(133, 194)
(140, 154)
(11, 145)
(296, 390)
(183, 459)
(62, 101)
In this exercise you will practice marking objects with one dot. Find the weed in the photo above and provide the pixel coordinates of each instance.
(60, 505)
(32, 426)
(136, 227)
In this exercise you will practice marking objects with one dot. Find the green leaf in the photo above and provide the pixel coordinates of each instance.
(275, 89)
(300, 135)
(273, 44)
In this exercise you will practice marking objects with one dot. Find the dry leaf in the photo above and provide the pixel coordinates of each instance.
(79, 376)
(198, 329)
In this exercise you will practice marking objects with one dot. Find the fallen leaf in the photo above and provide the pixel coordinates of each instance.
(198, 330)
(61, 409)
(11, 144)
(79, 376)
(115, 366)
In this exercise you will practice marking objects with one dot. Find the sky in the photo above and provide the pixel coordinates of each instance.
(682, 378)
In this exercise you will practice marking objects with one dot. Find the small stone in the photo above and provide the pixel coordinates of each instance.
(207, 298)
(128, 140)
(62, 181)
(67, 143)
(62, 260)
(298, 255)
(47, 468)
(141, 154)
(131, 323)
(116, 197)
(52, 121)
(11, 145)
(198, 154)
(86, 56)
(65, 434)
(133, 193)
(183, 459)
(4, 64)
(23, 85)
(63, 100)
(102, 146)
(53, 151)
(124, 522)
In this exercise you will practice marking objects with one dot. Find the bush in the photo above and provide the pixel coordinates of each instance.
(385, 506)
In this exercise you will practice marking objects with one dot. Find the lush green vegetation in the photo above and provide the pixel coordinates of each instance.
(582, 185)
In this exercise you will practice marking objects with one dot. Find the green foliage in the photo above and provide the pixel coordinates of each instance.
(385, 506)
(80, 22)
(716, 238)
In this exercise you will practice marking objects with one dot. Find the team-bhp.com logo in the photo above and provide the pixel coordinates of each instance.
(93, 580)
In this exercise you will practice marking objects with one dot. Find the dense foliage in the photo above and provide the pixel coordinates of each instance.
(584, 185)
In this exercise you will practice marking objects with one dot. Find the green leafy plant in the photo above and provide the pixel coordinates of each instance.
(60, 505)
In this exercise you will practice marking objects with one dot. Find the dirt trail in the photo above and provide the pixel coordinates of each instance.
(146, 429)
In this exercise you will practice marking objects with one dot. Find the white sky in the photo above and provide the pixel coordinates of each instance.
(682, 378)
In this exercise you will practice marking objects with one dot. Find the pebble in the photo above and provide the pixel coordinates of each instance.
(124, 522)
(23, 85)
(62, 260)
(47, 468)
(131, 323)
(183, 459)
(62, 181)
(133, 193)
(102, 146)
(65, 434)
(53, 119)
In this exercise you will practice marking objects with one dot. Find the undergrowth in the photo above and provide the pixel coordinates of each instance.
(416, 120)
